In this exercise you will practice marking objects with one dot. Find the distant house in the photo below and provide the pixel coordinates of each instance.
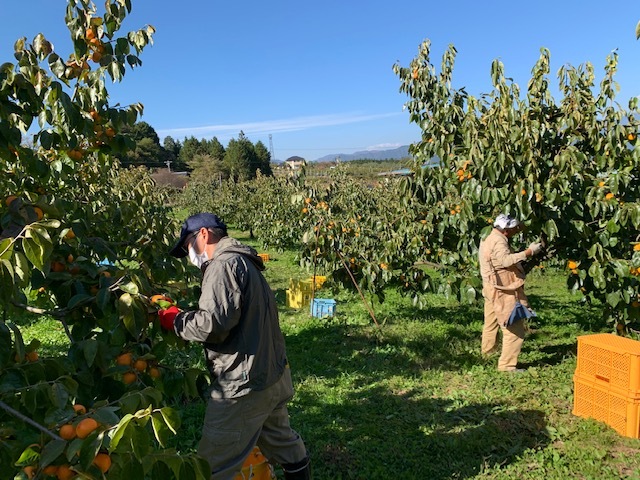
(295, 162)
(165, 177)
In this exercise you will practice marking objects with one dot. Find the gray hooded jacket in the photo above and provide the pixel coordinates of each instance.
(237, 322)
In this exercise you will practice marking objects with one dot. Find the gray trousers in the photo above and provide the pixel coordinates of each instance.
(232, 427)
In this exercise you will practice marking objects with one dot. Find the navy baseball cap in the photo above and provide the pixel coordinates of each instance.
(193, 224)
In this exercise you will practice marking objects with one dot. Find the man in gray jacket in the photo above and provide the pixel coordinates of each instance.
(237, 323)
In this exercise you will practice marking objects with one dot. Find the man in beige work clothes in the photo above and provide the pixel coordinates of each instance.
(502, 286)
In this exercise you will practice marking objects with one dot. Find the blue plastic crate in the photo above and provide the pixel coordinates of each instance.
(323, 307)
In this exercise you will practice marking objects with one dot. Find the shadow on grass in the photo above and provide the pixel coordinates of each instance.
(281, 296)
(408, 347)
(552, 355)
(359, 429)
(445, 338)
(386, 436)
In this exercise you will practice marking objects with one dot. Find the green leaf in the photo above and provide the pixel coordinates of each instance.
(119, 432)
(160, 429)
(595, 272)
(107, 415)
(130, 287)
(638, 31)
(90, 350)
(90, 448)
(58, 395)
(7, 278)
(19, 340)
(28, 456)
(51, 223)
(174, 463)
(18, 46)
(613, 298)
(164, 304)
(122, 46)
(51, 451)
(130, 403)
(79, 299)
(551, 229)
(126, 312)
(132, 470)
(595, 251)
(635, 215)
(612, 226)
(172, 419)
(620, 268)
(34, 252)
(484, 233)
(152, 396)
(73, 448)
(141, 442)
(6, 248)
(103, 299)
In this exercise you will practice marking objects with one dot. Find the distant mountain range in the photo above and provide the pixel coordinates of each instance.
(392, 154)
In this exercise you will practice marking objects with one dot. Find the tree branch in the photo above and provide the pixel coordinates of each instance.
(373, 316)
(27, 420)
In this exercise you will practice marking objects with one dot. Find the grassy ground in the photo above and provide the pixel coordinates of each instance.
(414, 399)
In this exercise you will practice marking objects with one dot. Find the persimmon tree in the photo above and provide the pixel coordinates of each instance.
(361, 235)
(82, 241)
(567, 169)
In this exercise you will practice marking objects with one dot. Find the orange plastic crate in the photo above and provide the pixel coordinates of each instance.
(255, 467)
(610, 361)
(264, 256)
(318, 280)
(620, 412)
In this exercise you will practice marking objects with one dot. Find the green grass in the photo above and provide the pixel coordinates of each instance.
(415, 399)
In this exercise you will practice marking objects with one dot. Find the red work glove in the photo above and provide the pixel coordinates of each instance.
(167, 317)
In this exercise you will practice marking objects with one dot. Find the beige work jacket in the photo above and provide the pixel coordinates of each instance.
(502, 274)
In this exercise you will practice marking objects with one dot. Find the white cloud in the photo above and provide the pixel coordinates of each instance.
(271, 126)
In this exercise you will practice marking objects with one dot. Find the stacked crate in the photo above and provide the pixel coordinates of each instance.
(607, 382)
(319, 281)
(299, 293)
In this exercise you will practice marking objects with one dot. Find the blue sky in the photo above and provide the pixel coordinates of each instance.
(317, 76)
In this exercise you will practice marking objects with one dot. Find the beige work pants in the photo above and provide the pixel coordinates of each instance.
(512, 338)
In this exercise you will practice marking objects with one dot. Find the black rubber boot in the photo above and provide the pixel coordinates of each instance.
(298, 471)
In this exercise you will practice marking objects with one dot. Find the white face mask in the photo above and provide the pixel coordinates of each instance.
(197, 258)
